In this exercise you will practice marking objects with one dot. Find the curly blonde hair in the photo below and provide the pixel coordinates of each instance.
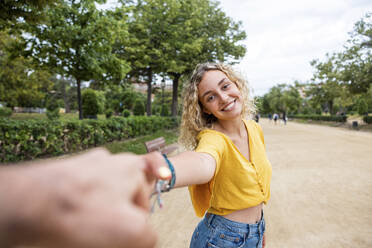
(194, 119)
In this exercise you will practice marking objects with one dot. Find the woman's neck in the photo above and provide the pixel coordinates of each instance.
(231, 127)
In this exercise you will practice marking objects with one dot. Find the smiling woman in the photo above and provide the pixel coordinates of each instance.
(225, 167)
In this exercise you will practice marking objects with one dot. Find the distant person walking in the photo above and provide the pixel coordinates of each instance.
(257, 117)
(270, 117)
(275, 117)
(284, 118)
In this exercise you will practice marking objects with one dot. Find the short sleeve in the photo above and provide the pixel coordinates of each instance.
(213, 144)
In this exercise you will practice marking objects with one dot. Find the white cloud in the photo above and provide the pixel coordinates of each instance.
(284, 36)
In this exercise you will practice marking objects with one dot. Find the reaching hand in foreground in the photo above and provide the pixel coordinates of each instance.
(91, 200)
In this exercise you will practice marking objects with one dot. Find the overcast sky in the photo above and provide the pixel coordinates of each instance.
(283, 36)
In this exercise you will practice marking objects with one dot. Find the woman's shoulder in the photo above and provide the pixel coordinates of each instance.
(252, 124)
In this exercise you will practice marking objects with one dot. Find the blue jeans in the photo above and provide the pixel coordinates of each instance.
(219, 232)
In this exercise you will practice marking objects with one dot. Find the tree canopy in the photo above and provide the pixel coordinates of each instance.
(76, 40)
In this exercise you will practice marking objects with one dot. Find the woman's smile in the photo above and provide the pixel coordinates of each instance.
(229, 106)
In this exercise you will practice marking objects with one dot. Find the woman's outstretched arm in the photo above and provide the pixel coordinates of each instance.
(190, 167)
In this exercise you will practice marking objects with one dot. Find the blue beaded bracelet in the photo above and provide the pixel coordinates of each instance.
(173, 179)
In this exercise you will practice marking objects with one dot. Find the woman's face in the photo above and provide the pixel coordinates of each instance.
(220, 96)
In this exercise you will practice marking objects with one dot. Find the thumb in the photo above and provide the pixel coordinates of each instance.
(156, 167)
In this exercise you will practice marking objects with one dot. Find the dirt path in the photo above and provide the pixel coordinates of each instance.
(321, 191)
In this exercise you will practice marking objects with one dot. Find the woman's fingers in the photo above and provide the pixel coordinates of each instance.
(156, 167)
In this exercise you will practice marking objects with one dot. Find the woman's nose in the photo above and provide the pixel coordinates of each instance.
(224, 97)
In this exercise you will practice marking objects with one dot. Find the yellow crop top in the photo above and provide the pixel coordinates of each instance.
(237, 183)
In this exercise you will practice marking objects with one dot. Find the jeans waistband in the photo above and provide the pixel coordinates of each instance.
(213, 219)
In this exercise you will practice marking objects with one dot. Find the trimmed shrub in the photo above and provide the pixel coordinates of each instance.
(90, 104)
(367, 119)
(109, 113)
(52, 114)
(126, 113)
(52, 107)
(5, 112)
(362, 107)
(164, 110)
(29, 139)
(101, 99)
(139, 107)
(155, 109)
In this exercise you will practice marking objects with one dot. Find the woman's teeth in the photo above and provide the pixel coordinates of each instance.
(229, 107)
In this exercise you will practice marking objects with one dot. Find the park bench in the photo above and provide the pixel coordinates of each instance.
(158, 144)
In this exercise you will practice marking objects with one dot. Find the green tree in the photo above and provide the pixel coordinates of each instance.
(325, 87)
(198, 31)
(355, 63)
(282, 98)
(76, 40)
(143, 47)
(13, 12)
(265, 106)
(292, 99)
(21, 84)
(169, 36)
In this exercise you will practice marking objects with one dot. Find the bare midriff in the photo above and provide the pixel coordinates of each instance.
(248, 215)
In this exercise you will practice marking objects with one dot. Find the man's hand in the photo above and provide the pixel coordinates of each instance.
(90, 200)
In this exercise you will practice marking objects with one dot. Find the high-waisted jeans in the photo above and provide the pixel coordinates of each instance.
(217, 231)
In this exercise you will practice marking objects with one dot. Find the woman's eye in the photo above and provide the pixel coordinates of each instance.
(210, 98)
(225, 86)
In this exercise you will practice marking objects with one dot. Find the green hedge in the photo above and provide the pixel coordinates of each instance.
(28, 139)
(320, 117)
(367, 119)
(5, 112)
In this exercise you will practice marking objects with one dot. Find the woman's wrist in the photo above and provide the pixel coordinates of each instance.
(172, 181)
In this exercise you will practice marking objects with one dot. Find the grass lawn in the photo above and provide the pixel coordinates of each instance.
(137, 145)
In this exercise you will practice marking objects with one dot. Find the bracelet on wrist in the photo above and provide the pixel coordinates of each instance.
(172, 181)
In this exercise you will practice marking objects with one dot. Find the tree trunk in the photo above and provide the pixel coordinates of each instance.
(176, 79)
(78, 81)
(330, 107)
(149, 91)
(64, 95)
